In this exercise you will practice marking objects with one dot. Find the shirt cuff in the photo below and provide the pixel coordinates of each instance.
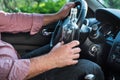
(37, 23)
(19, 69)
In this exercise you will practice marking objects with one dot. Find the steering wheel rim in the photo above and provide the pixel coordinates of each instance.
(82, 10)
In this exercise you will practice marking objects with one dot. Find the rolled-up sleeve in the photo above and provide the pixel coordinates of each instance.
(14, 69)
(19, 69)
(20, 22)
(11, 67)
(36, 23)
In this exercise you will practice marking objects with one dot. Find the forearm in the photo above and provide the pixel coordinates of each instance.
(40, 64)
(50, 18)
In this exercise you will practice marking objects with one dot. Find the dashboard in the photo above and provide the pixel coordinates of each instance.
(99, 37)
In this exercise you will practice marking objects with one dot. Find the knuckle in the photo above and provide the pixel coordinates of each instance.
(71, 51)
(67, 46)
(75, 42)
(67, 5)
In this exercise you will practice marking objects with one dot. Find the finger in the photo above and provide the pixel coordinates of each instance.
(76, 56)
(69, 5)
(76, 50)
(73, 43)
(74, 62)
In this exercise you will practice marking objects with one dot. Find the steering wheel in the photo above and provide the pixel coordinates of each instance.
(81, 6)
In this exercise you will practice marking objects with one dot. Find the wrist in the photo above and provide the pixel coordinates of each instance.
(57, 16)
(51, 60)
(50, 18)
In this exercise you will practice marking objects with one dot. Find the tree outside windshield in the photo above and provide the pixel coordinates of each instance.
(32, 6)
(111, 3)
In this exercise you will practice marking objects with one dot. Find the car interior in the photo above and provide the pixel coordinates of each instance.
(98, 32)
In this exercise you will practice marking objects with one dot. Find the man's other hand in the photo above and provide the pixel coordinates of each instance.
(64, 11)
(65, 54)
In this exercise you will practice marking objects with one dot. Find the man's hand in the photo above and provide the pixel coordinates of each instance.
(60, 56)
(65, 54)
(64, 11)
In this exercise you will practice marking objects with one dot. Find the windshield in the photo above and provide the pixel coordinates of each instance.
(111, 3)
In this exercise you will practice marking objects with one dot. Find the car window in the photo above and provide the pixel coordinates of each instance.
(32, 6)
(111, 3)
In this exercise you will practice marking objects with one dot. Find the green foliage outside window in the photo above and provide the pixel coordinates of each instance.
(32, 6)
(112, 3)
